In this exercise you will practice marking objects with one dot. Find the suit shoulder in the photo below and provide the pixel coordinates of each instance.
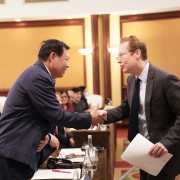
(160, 72)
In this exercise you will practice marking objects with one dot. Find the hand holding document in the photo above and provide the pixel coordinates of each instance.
(137, 154)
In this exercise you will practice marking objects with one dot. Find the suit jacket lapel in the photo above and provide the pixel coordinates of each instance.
(149, 89)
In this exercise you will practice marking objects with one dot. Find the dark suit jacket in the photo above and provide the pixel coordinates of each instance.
(30, 111)
(162, 107)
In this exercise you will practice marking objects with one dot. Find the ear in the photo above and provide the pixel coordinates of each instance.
(52, 56)
(137, 53)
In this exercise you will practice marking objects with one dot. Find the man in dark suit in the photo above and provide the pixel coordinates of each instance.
(159, 107)
(31, 109)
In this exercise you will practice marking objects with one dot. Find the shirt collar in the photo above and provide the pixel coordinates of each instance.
(144, 73)
(49, 73)
(48, 70)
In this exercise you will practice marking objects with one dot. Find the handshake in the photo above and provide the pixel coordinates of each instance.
(98, 116)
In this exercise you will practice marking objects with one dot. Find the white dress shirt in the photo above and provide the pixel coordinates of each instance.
(142, 124)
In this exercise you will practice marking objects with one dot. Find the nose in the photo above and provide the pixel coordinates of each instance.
(67, 64)
(118, 59)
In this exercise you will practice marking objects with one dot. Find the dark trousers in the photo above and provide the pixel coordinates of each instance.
(14, 170)
(161, 176)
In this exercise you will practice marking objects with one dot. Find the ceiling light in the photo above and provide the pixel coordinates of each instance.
(113, 50)
(18, 19)
(85, 51)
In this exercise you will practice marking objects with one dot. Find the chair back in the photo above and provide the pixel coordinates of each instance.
(95, 99)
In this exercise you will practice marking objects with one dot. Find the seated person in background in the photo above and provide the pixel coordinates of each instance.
(80, 105)
(71, 95)
(84, 102)
(64, 100)
(77, 103)
(64, 135)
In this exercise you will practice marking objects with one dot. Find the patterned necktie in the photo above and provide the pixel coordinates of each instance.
(133, 118)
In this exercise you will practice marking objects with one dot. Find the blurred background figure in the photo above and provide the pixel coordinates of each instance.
(84, 94)
(71, 95)
(78, 107)
(64, 100)
(64, 135)
(79, 102)
(83, 91)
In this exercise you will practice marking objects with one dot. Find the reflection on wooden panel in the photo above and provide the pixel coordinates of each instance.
(20, 43)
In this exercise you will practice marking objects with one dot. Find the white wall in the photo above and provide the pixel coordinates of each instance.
(80, 8)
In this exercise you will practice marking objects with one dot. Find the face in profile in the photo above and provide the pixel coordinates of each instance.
(59, 64)
(126, 59)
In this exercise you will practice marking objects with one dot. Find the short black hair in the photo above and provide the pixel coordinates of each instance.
(51, 45)
(82, 88)
(75, 90)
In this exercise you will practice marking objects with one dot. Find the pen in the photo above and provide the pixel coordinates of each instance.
(60, 171)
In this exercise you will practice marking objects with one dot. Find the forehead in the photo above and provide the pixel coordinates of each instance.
(65, 53)
(123, 47)
(64, 93)
(77, 93)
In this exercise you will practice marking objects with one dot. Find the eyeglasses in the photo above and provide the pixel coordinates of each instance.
(121, 55)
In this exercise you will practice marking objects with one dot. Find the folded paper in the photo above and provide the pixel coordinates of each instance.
(137, 154)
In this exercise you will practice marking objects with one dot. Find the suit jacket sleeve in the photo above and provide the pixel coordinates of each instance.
(172, 92)
(119, 113)
(122, 111)
(41, 93)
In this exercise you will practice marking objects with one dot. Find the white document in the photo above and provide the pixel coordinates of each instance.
(63, 174)
(76, 151)
(79, 154)
(137, 154)
(94, 128)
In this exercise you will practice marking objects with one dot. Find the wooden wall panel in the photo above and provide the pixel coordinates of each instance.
(20, 43)
(95, 46)
(160, 32)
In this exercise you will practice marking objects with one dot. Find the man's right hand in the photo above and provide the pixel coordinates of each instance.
(97, 118)
(43, 143)
(54, 143)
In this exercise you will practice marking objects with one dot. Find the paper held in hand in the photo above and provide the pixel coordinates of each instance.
(137, 154)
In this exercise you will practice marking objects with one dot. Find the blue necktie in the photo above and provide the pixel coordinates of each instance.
(133, 129)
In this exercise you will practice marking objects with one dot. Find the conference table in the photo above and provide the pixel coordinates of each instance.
(100, 174)
(106, 139)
